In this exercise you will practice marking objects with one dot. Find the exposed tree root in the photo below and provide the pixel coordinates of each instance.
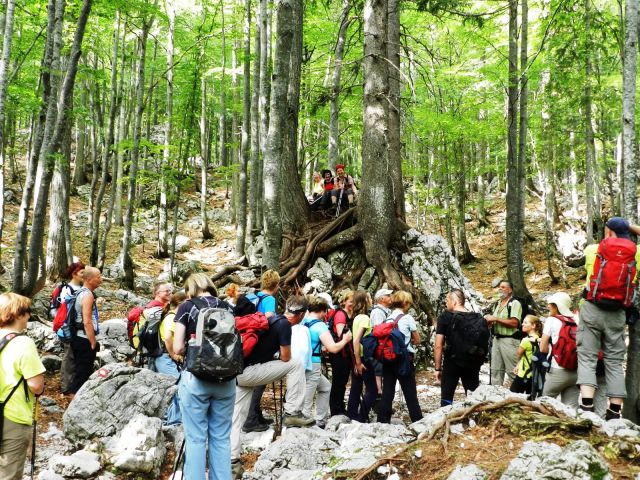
(444, 426)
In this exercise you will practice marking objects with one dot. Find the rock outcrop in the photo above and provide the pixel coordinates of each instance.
(112, 397)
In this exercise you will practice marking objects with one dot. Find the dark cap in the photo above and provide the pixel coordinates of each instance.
(619, 226)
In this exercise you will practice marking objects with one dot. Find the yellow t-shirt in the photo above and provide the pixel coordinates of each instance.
(168, 325)
(18, 359)
(524, 365)
(362, 321)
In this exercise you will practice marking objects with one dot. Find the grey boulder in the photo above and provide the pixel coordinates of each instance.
(111, 397)
(81, 464)
(469, 472)
(139, 447)
(321, 273)
(547, 461)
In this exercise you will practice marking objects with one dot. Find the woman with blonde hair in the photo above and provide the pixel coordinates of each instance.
(206, 407)
(21, 380)
(391, 373)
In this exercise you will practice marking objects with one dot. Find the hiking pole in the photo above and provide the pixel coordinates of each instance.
(275, 407)
(33, 439)
(178, 458)
(340, 200)
(281, 407)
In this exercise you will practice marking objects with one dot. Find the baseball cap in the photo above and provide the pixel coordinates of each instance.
(620, 226)
(382, 292)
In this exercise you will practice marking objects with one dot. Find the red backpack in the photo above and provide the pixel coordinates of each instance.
(565, 350)
(613, 280)
(386, 351)
(250, 326)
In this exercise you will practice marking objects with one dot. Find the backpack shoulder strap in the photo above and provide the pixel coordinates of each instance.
(3, 343)
(395, 322)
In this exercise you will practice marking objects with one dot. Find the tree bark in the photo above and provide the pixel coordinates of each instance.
(79, 171)
(162, 249)
(256, 166)
(295, 210)
(514, 220)
(264, 102)
(630, 203)
(333, 154)
(61, 112)
(49, 89)
(590, 160)
(4, 64)
(464, 253)
(376, 209)
(126, 262)
(244, 144)
(395, 146)
(273, 159)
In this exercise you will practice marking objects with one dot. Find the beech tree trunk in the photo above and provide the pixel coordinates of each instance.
(256, 166)
(464, 253)
(333, 154)
(395, 146)
(244, 143)
(60, 113)
(376, 209)
(4, 64)
(630, 203)
(162, 250)
(294, 205)
(126, 262)
(273, 159)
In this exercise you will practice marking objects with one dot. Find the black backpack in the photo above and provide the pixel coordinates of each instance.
(149, 334)
(468, 339)
(215, 354)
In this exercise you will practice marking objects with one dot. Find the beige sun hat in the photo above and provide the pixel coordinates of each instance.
(563, 301)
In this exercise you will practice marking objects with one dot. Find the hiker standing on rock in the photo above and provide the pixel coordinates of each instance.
(21, 379)
(261, 368)
(206, 407)
(611, 275)
(84, 343)
(71, 283)
(401, 303)
(560, 334)
(464, 337)
(504, 324)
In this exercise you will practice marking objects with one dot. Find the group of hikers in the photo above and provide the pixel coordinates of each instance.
(574, 354)
(334, 193)
(224, 352)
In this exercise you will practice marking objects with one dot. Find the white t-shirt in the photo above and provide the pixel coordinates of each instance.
(406, 325)
(552, 326)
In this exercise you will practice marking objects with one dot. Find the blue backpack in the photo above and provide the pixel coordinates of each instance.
(256, 299)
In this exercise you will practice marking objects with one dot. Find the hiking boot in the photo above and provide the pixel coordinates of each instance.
(611, 415)
(297, 419)
(264, 420)
(236, 470)
(255, 427)
(586, 408)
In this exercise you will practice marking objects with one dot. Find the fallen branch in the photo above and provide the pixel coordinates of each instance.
(226, 270)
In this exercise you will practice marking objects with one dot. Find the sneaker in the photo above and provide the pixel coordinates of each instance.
(255, 427)
(264, 420)
(611, 415)
(236, 469)
(297, 419)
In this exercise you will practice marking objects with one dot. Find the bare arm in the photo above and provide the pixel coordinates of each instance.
(415, 337)
(36, 384)
(635, 229)
(87, 320)
(340, 328)
(544, 343)
(437, 354)
(331, 346)
(178, 339)
(285, 353)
